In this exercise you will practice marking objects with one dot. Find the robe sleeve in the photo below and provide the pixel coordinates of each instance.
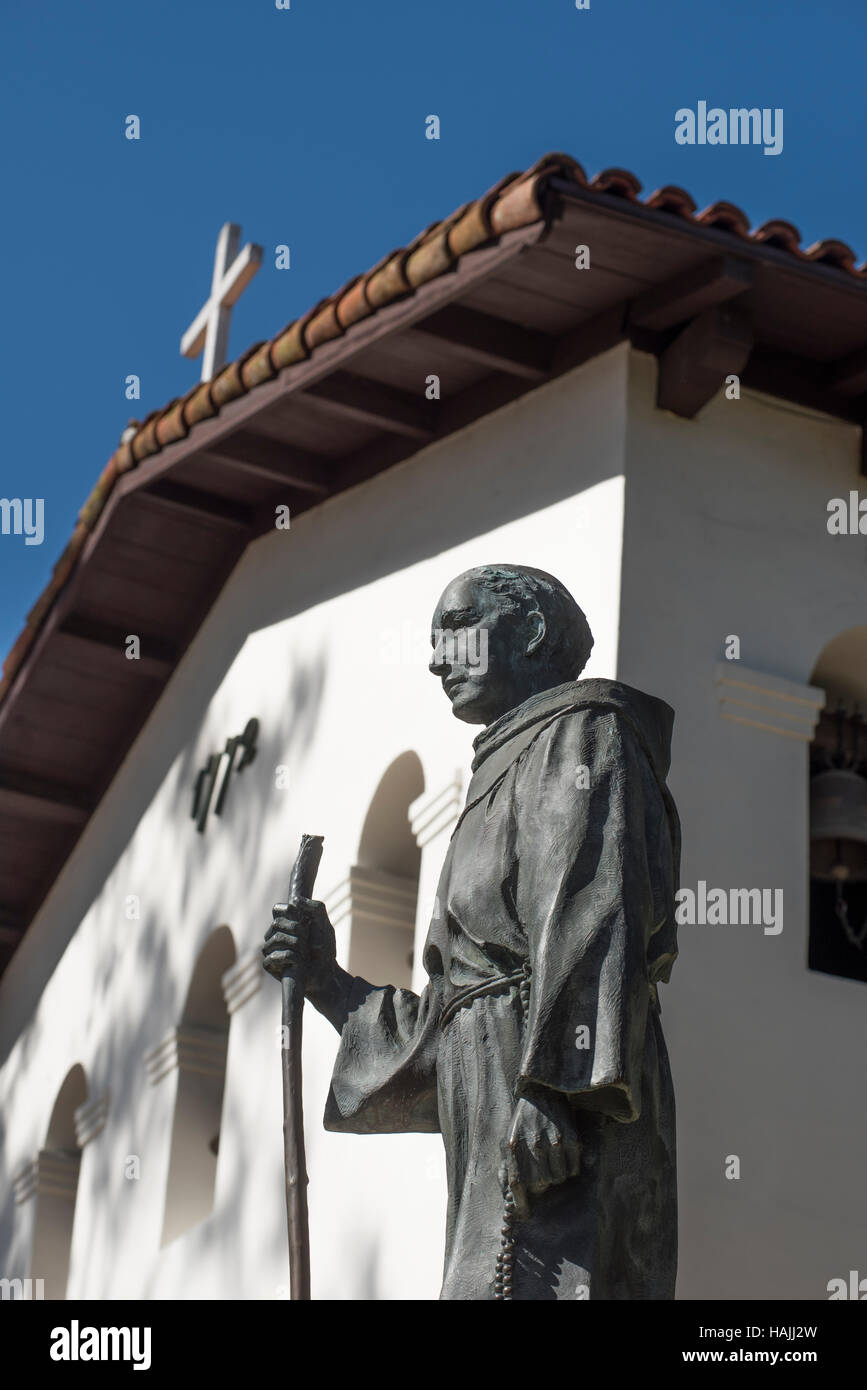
(384, 1079)
(586, 899)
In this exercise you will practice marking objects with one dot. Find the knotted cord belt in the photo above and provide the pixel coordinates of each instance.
(506, 1253)
(493, 986)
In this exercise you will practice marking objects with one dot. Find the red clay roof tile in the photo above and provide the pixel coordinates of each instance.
(558, 163)
(619, 182)
(198, 404)
(389, 282)
(431, 258)
(518, 206)
(124, 457)
(832, 252)
(40, 607)
(258, 368)
(472, 226)
(97, 499)
(354, 306)
(228, 384)
(146, 442)
(324, 326)
(727, 216)
(672, 199)
(776, 232)
(171, 425)
(291, 345)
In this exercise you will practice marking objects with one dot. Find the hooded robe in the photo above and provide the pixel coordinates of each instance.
(561, 873)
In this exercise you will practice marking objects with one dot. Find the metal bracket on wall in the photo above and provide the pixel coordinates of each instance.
(218, 770)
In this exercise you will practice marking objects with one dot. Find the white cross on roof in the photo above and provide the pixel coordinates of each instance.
(232, 274)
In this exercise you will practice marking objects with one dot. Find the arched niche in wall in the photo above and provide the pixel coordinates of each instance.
(383, 886)
(838, 904)
(56, 1185)
(201, 1044)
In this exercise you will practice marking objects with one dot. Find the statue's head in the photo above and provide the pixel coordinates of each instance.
(501, 633)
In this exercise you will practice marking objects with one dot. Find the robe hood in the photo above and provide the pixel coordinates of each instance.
(651, 717)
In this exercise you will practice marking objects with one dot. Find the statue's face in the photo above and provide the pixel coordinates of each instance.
(481, 650)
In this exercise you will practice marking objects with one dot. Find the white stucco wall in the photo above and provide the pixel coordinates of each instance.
(726, 533)
(297, 639)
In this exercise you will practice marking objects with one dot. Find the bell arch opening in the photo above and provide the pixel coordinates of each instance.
(202, 1043)
(384, 879)
(838, 811)
(59, 1164)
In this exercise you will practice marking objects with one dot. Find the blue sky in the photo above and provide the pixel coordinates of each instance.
(307, 127)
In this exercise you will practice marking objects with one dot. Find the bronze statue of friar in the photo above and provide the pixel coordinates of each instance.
(535, 1048)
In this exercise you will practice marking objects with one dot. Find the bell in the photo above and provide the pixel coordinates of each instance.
(838, 826)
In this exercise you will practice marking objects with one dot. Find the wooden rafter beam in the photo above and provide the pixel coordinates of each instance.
(198, 505)
(108, 644)
(371, 459)
(359, 398)
(596, 335)
(12, 919)
(10, 935)
(36, 799)
(801, 380)
(492, 342)
(715, 345)
(689, 293)
(267, 458)
(848, 375)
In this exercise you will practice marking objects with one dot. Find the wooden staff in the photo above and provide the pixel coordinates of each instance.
(300, 886)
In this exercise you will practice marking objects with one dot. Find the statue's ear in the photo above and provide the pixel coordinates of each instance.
(538, 630)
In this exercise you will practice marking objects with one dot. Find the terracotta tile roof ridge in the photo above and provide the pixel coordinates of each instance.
(517, 200)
